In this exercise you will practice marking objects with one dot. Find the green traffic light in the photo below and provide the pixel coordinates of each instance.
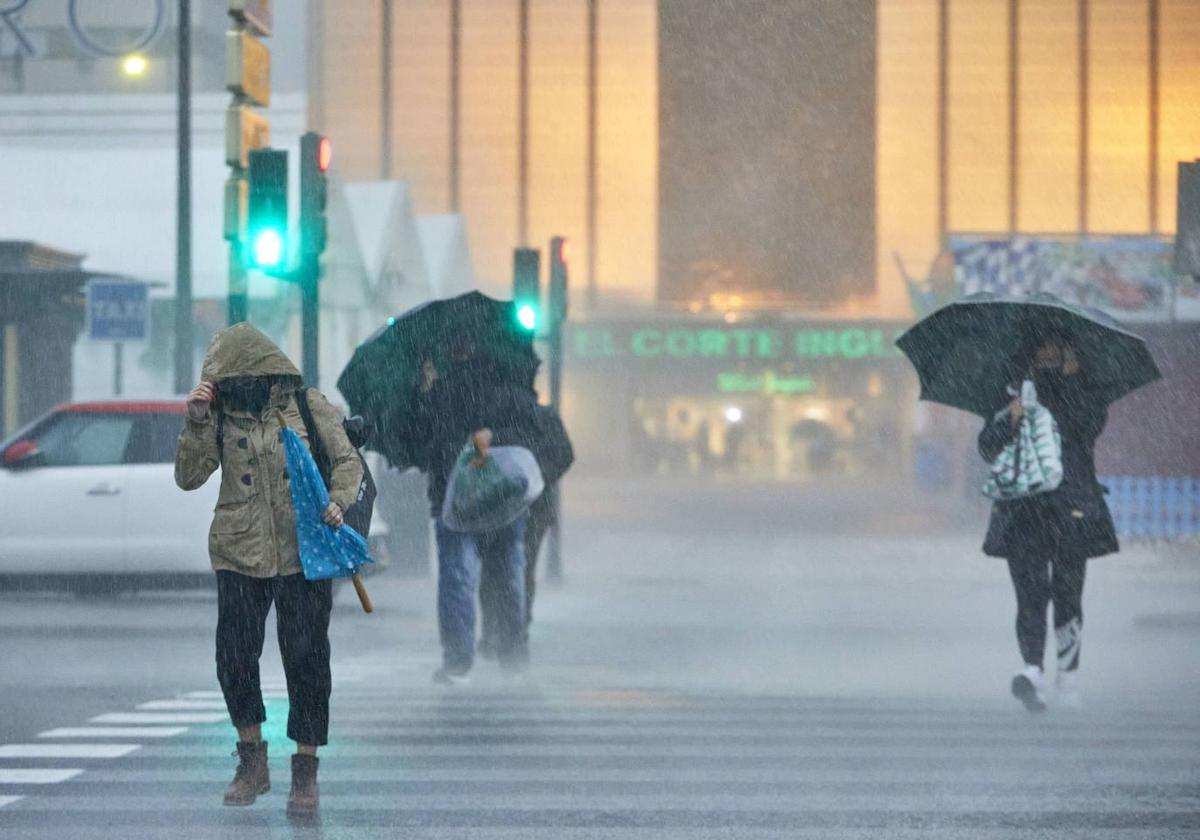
(527, 317)
(267, 248)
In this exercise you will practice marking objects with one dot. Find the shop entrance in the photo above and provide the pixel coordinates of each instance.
(789, 438)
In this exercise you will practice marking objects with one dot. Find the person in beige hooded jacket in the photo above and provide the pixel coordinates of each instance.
(232, 425)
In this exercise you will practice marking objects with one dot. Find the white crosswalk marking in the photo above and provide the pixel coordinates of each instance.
(182, 705)
(160, 717)
(8, 800)
(272, 694)
(573, 765)
(113, 732)
(36, 775)
(83, 750)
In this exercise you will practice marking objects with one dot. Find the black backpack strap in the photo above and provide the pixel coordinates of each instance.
(220, 423)
(315, 444)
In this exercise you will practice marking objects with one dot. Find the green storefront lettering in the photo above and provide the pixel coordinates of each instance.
(850, 343)
(764, 383)
(647, 343)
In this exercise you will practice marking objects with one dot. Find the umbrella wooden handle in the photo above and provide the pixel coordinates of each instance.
(363, 597)
(282, 420)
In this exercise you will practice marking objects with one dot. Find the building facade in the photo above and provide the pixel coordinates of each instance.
(543, 117)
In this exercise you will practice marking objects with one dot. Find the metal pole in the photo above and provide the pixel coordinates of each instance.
(310, 299)
(554, 564)
(184, 336)
(238, 308)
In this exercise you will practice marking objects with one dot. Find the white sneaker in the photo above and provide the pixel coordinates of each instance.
(1029, 686)
(446, 676)
(1066, 690)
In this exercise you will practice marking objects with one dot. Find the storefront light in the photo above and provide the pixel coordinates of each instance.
(733, 414)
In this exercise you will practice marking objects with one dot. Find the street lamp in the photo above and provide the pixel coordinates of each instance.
(134, 64)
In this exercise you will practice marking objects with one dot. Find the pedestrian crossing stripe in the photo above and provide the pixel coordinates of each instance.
(8, 800)
(160, 717)
(85, 750)
(182, 705)
(268, 694)
(36, 775)
(113, 732)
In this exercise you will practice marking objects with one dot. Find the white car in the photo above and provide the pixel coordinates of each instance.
(90, 501)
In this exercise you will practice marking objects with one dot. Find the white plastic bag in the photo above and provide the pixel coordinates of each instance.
(1032, 462)
(508, 482)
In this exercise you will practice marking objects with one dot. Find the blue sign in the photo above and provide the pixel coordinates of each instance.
(117, 310)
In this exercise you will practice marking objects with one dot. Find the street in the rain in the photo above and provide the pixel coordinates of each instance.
(781, 675)
(600, 419)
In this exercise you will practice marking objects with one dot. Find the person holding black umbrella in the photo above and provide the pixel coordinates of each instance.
(472, 399)
(1047, 538)
(443, 373)
(998, 357)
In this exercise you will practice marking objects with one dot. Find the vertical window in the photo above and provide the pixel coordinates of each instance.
(978, 115)
(1118, 117)
(1179, 99)
(1048, 104)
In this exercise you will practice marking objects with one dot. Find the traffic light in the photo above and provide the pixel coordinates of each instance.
(559, 260)
(316, 154)
(1187, 222)
(527, 288)
(267, 226)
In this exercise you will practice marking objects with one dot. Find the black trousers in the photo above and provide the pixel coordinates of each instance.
(302, 610)
(1039, 578)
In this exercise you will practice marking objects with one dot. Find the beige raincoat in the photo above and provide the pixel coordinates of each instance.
(254, 526)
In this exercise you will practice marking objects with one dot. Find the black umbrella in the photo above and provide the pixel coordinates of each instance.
(967, 352)
(383, 374)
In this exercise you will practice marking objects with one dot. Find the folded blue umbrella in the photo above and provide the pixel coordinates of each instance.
(325, 552)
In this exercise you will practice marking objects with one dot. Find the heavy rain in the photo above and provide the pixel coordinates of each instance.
(564, 419)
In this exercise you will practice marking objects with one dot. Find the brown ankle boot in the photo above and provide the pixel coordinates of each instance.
(252, 777)
(305, 796)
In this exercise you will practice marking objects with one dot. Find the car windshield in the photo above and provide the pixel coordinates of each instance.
(83, 439)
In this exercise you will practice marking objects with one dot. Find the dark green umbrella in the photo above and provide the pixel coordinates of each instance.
(381, 380)
(967, 352)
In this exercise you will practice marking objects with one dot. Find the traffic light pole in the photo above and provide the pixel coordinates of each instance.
(554, 566)
(237, 308)
(310, 301)
(557, 310)
(184, 332)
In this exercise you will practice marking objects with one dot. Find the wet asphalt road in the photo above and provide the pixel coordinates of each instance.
(785, 670)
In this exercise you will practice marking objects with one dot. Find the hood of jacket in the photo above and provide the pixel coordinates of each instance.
(241, 350)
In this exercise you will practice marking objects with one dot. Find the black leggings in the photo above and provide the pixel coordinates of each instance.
(1039, 578)
(302, 610)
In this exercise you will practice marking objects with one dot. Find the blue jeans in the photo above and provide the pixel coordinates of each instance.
(459, 559)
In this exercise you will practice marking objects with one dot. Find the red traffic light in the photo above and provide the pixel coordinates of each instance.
(324, 154)
(564, 251)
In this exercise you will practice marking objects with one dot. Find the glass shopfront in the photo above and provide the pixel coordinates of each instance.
(754, 398)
